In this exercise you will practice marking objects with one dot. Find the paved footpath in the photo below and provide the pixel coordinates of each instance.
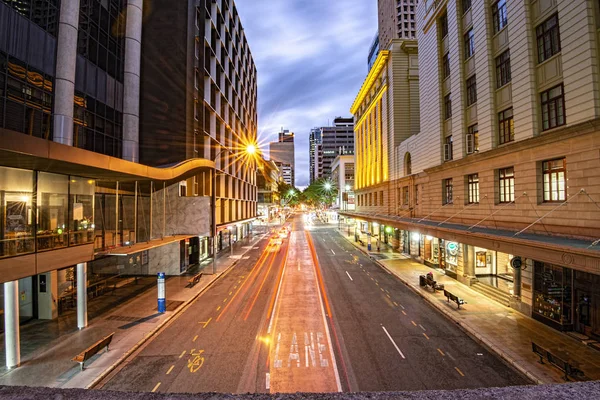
(504, 330)
(133, 323)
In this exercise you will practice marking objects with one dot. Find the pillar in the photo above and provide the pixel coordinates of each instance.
(82, 318)
(131, 80)
(47, 294)
(66, 60)
(12, 342)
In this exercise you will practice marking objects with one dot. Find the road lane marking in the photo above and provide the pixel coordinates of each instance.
(421, 326)
(182, 354)
(195, 338)
(218, 308)
(396, 304)
(224, 300)
(235, 287)
(332, 251)
(403, 312)
(230, 293)
(392, 340)
(413, 322)
(388, 296)
(268, 381)
(274, 301)
(156, 387)
(459, 371)
(349, 276)
(424, 334)
(372, 278)
(381, 289)
(441, 352)
(206, 322)
(170, 369)
(450, 355)
(377, 284)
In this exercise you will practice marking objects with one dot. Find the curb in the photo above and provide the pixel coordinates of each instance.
(464, 326)
(152, 333)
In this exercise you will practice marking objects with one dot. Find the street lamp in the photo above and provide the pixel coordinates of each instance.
(249, 150)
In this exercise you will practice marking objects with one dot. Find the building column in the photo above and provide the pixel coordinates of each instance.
(11, 324)
(66, 61)
(131, 80)
(82, 317)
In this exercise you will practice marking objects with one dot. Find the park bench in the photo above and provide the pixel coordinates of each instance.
(454, 298)
(88, 353)
(194, 279)
(361, 242)
(426, 280)
(567, 366)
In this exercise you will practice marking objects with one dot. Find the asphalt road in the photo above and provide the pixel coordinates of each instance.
(384, 337)
(216, 343)
(387, 338)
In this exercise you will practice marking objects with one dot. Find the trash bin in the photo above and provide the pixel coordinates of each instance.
(422, 280)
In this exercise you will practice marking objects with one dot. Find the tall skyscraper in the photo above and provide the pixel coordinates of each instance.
(397, 20)
(314, 142)
(283, 154)
(330, 142)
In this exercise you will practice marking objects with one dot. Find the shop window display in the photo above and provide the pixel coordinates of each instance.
(16, 212)
(81, 200)
(552, 295)
(53, 221)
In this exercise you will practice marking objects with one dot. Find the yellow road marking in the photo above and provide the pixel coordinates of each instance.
(170, 369)
(396, 304)
(224, 300)
(388, 296)
(424, 334)
(377, 284)
(403, 312)
(218, 308)
(381, 289)
(194, 339)
(413, 322)
(459, 371)
(156, 387)
(372, 279)
(235, 287)
(230, 293)
(206, 323)
(441, 352)
(182, 354)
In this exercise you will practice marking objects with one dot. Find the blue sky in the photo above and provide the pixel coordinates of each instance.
(311, 59)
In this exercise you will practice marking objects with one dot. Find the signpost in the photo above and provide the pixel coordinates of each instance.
(162, 306)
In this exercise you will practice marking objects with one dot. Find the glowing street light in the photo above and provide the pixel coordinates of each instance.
(251, 149)
(327, 186)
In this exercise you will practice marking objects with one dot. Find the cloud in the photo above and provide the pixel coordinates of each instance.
(311, 59)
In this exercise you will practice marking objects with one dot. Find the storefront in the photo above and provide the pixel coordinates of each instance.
(449, 252)
(552, 296)
(431, 251)
(493, 268)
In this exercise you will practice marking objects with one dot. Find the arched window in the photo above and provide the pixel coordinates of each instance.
(407, 164)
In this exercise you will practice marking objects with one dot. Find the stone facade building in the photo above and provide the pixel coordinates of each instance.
(501, 186)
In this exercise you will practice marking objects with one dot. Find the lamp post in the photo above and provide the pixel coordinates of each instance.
(250, 150)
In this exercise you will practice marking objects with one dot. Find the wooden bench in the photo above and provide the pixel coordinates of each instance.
(88, 353)
(194, 279)
(567, 366)
(431, 283)
(454, 298)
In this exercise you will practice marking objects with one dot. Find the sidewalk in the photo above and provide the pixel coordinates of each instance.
(48, 359)
(503, 330)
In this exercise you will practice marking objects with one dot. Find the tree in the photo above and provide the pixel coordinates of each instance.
(320, 193)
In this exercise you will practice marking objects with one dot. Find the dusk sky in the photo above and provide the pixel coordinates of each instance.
(311, 59)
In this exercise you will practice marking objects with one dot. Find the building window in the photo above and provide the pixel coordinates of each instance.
(469, 43)
(473, 188)
(466, 5)
(447, 106)
(506, 128)
(472, 139)
(506, 182)
(381, 198)
(448, 148)
(503, 69)
(446, 66)
(447, 191)
(471, 90)
(553, 107)
(443, 26)
(555, 182)
(499, 15)
(374, 199)
(405, 195)
(548, 38)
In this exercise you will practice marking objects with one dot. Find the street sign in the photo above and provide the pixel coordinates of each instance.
(162, 306)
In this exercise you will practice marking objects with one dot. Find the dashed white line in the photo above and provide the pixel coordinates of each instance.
(349, 276)
(421, 326)
(332, 251)
(392, 340)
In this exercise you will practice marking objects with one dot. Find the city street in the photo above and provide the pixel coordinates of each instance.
(270, 325)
